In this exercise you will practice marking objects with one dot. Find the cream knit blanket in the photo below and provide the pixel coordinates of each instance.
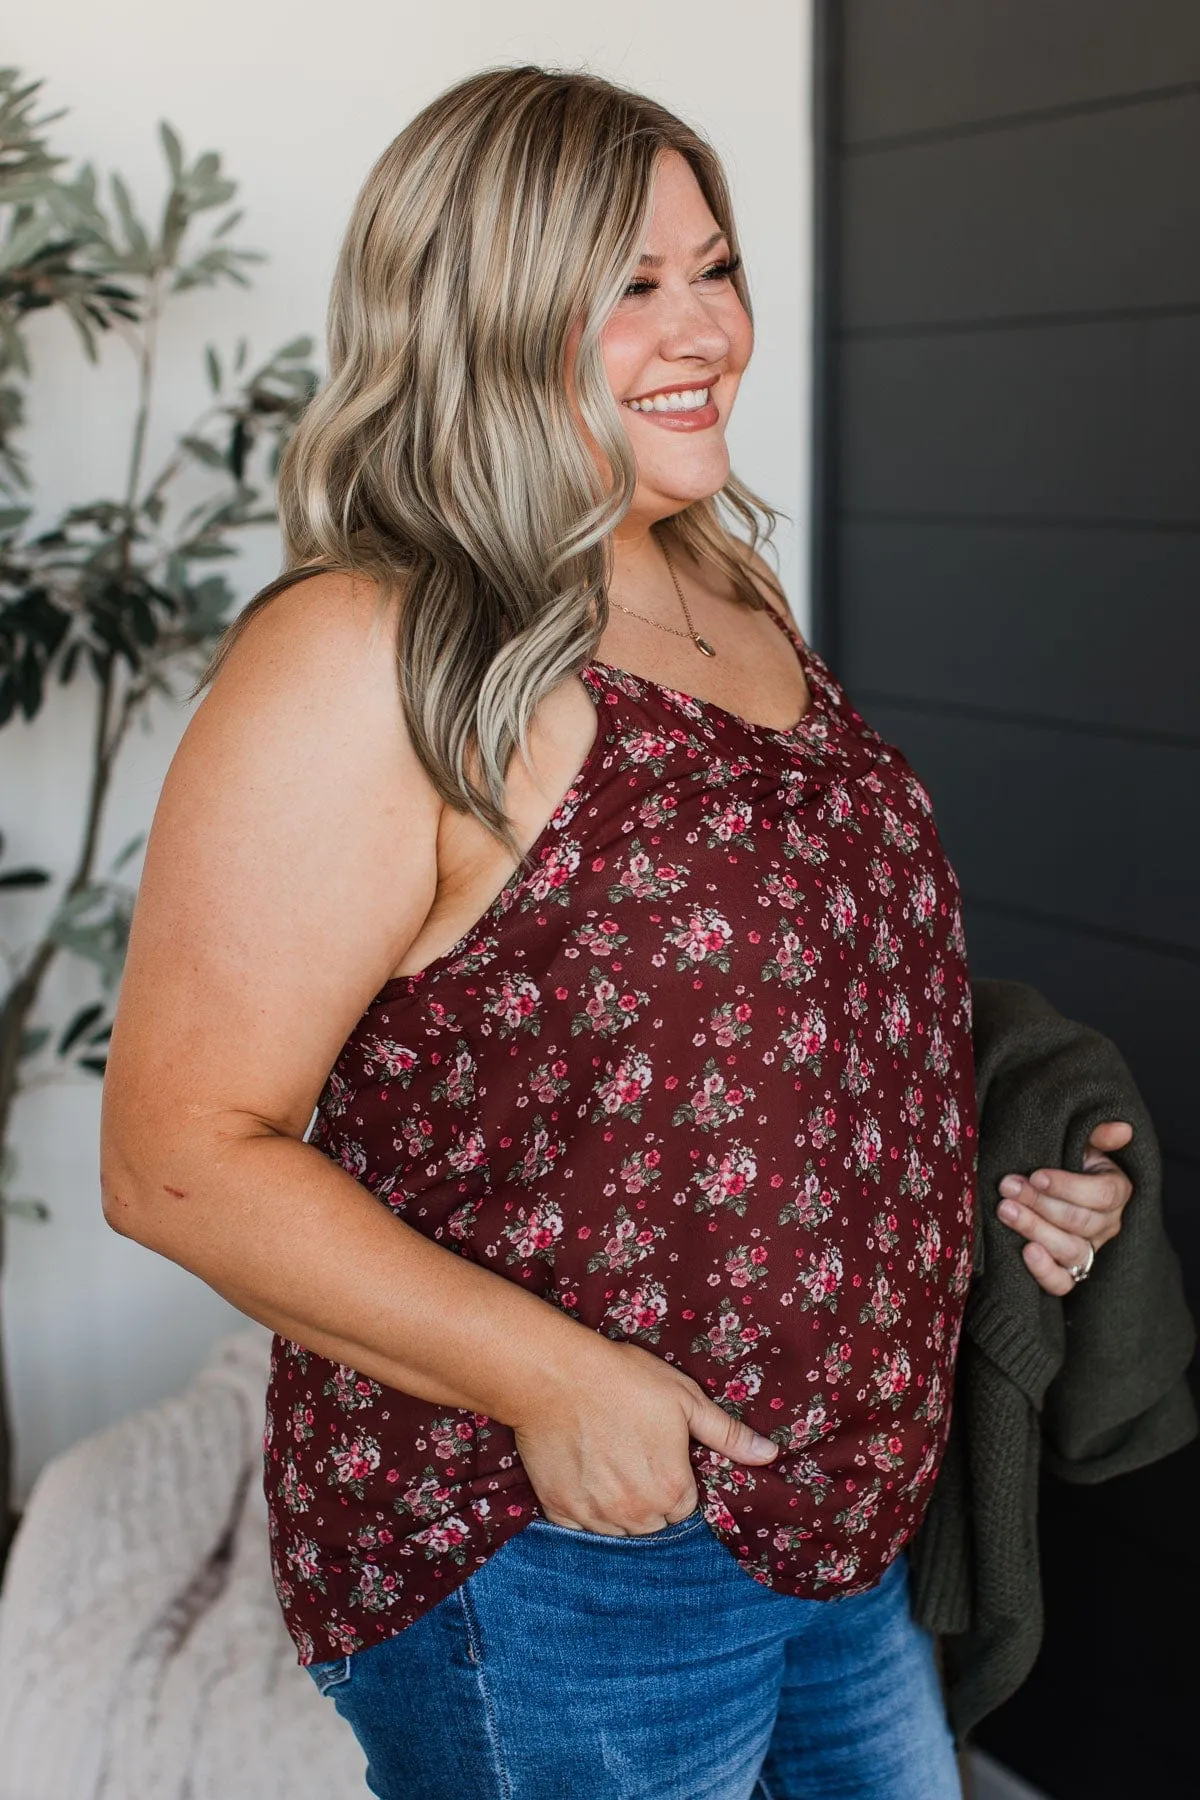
(143, 1655)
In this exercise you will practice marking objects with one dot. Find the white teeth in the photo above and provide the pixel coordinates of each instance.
(688, 400)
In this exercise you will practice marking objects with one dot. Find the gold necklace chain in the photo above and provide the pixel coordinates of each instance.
(702, 644)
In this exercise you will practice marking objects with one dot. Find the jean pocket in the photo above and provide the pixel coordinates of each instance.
(329, 1674)
(677, 1528)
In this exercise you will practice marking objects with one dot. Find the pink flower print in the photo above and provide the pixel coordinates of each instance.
(813, 1202)
(451, 1437)
(859, 1070)
(641, 1170)
(551, 879)
(836, 1570)
(730, 1023)
(702, 937)
(549, 1082)
(802, 1432)
(951, 1122)
(911, 1109)
(886, 1451)
(885, 1231)
(842, 909)
(821, 1278)
(923, 901)
(809, 846)
(304, 1561)
(729, 822)
(885, 949)
(542, 1150)
(897, 1021)
(731, 1336)
(607, 1008)
(820, 1127)
(354, 1462)
(839, 807)
(933, 1405)
(883, 1306)
(867, 1145)
(881, 876)
(447, 1538)
(804, 1040)
(725, 1180)
(534, 1233)
(294, 1493)
(837, 1360)
(746, 1264)
(892, 1376)
(917, 1179)
(646, 747)
(929, 1246)
(716, 1101)
(396, 1061)
(741, 1388)
(937, 1056)
(899, 834)
(515, 1004)
(467, 1152)
(794, 962)
(855, 1518)
(623, 1090)
(937, 984)
(629, 1241)
(640, 1314)
(647, 877)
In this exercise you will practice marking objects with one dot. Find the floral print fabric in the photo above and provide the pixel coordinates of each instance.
(702, 1078)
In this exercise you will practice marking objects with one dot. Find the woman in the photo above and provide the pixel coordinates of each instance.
(617, 1288)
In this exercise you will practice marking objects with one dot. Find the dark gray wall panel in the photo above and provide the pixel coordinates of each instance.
(1100, 422)
(1146, 1003)
(927, 64)
(1083, 214)
(1096, 830)
(1090, 627)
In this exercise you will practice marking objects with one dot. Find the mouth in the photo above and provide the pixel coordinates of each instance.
(678, 407)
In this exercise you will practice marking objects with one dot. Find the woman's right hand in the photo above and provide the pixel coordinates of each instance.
(608, 1451)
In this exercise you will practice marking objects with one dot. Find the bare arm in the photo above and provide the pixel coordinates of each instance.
(291, 863)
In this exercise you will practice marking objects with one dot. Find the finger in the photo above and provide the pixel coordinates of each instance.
(1096, 1224)
(1112, 1134)
(1065, 1247)
(1100, 1190)
(1048, 1274)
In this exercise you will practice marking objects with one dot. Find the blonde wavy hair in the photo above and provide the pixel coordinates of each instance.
(442, 451)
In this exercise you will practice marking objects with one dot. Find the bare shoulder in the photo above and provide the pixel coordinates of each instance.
(766, 581)
(291, 861)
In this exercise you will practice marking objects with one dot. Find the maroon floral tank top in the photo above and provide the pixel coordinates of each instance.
(702, 1078)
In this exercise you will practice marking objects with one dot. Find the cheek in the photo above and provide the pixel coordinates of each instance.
(626, 348)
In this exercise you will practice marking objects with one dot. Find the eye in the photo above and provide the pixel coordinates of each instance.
(722, 270)
(718, 272)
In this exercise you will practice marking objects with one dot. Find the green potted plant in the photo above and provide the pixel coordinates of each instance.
(123, 596)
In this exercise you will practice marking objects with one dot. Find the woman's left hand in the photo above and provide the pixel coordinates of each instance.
(1061, 1212)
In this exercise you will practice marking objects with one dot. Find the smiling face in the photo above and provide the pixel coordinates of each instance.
(674, 348)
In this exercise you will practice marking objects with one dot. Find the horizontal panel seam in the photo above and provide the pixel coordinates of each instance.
(1003, 715)
(882, 515)
(1001, 322)
(1129, 940)
(1015, 121)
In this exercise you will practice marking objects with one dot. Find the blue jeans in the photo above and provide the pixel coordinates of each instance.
(575, 1666)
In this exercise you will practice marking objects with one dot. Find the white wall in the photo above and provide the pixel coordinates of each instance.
(300, 98)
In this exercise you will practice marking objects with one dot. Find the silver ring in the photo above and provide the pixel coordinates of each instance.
(1080, 1271)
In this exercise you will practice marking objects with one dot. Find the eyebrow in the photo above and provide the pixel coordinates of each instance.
(656, 262)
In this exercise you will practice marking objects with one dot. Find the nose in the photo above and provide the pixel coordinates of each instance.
(690, 329)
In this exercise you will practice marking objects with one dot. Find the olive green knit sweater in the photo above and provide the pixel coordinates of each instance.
(1091, 1385)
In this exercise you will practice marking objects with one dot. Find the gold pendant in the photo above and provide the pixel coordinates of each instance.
(703, 645)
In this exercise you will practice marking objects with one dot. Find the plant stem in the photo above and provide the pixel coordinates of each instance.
(146, 357)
